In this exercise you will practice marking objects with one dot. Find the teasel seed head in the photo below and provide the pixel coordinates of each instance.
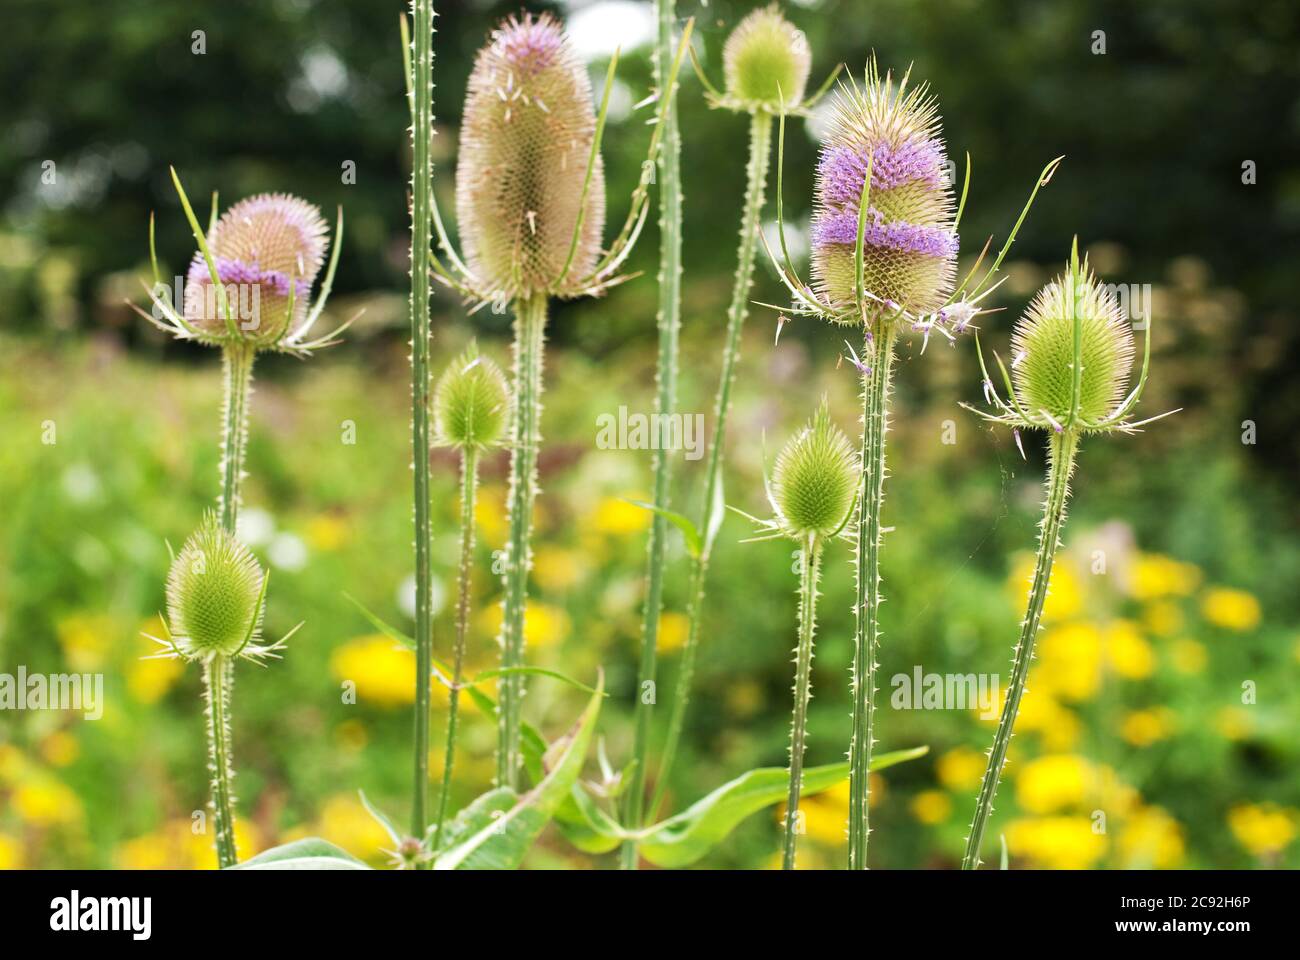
(525, 142)
(815, 479)
(471, 403)
(268, 250)
(1042, 344)
(909, 246)
(766, 62)
(214, 594)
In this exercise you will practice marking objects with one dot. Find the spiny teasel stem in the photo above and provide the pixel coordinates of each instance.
(237, 368)
(421, 239)
(216, 692)
(464, 577)
(669, 323)
(1062, 450)
(810, 558)
(879, 347)
(760, 140)
(526, 439)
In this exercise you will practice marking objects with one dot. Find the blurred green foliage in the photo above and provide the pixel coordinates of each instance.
(1155, 132)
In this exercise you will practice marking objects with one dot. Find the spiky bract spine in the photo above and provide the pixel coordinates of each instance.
(909, 246)
(525, 140)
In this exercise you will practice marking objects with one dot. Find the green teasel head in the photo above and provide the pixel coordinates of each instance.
(1043, 348)
(471, 403)
(815, 480)
(1072, 355)
(521, 177)
(765, 63)
(215, 594)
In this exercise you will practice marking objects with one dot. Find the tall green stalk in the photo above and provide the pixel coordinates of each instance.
(669, 323)
(1062, 449)
(530, 331)
(810, 558)
(879, 348)
(468, 496)
(216, 687)
(421, 239)
(237, 368)
(760, 141)
(218, 677)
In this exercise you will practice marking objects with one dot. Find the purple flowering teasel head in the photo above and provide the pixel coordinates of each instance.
(526, 138)
(267, 250)
(909, 244)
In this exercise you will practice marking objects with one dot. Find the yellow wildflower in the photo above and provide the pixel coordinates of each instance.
(1230, 609)
(490, 515)
(545, 625)
(673, 627)
(60, 748)
(1188, 656)
(1151, 838)
(1128, 653)
(45, 802)
(326, 532)
(85, 640)
(961, 768)
(1070, 660)
(931, 807)
(383, 672)
(344, 821)
(1065, 592)
(1054, 782)
(616, 517)
(1144, 727)
(1163, 617)
(1262, 828)
(147, 681)
(1057, 843)
(557, 569)
(1233, 723)
(11, 853)
(1155, 575)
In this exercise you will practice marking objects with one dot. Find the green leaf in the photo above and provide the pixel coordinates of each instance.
(501, 841)
(483, 811)
(683, 839)
(310, 853)
(680, 521)
(533, 672)
(382, 819)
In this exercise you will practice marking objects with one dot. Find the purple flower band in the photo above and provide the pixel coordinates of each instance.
(842, 228)
(842, 169)
(530, 45)
(237, 271)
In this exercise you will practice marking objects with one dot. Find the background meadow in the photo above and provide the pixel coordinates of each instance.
(1135, 705)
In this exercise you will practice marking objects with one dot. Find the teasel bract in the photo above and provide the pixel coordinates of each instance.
(530, 197)
(471, 413)
(248, 289)
(1069, 376)
(766, 62)
(884, 248)
(216, 597)
(812, 494)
